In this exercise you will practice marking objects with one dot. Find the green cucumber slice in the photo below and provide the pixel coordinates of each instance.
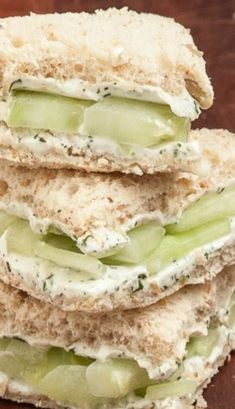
(22, 362)
(21, 239)
(174, 389)
(67, 384)
(143, 240)
(174, 247)
(211, 206)
(203, 345)
(115, 378)
(4, 342)
(231, 321)
(64, 258)
(37, 110)
(29, 364)
(61, 242)
(132, 122)
(5, 221)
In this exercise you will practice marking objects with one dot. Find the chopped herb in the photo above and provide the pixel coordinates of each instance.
(19, 81)
(44, 287)
(206, 255)
(196, 107)
(41, 139)
(107, 95)
(220, 190)
(84, 241)
(106, 88)
(175, 152)
(98, 91)
(140, 284)
(8, 266)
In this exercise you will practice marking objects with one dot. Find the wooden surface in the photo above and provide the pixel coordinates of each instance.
(213, 27)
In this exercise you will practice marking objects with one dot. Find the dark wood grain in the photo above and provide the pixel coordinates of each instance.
(213, 27)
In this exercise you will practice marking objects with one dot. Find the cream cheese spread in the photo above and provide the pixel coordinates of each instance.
(48, 278)
(183, 104)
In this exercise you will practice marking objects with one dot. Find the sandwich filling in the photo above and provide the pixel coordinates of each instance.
(56, 262)
(76, 380)
(126, 121)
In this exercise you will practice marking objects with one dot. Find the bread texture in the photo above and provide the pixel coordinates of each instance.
(119, 47)
(97, 210)
(152, 336)
(21, 148)
(108, 53)
(49, 150)
(81, 204)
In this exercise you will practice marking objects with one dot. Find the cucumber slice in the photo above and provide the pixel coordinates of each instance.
(58, 356)
(46, 111)
(231, 321)
(4, 342)
(61, 242)
(5, 221)
(143, 240)
(29, 364)
(212, 206)
(21, 239)
(67, 384)
(133, 122)
(174, 389)
(174, 247)
(64, 258)
(203, 345)
(22, 362)
(115, 378)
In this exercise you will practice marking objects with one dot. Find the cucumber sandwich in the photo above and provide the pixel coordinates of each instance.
(161, 356)
(117, 222)
(109, 91)
(96, 242)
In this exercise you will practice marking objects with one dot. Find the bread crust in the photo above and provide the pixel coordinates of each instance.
(119, 47)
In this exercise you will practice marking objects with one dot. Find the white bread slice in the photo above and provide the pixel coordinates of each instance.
(115, 47)
(83, 204)
(106, 206)
(33, 148)
(138, 334)
(154, 336)
(112, 52)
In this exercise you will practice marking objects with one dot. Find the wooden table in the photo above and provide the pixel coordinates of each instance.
(212, 26)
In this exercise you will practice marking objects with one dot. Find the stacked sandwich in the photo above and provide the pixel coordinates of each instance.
(117, 223)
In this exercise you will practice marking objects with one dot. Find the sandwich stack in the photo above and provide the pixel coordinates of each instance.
(117, 222)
